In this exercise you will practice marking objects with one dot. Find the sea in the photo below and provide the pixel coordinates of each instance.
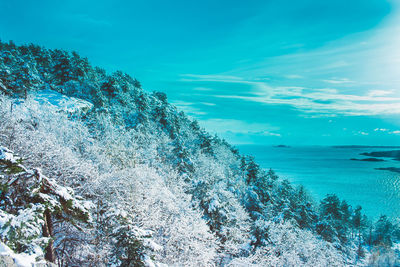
(329, 170)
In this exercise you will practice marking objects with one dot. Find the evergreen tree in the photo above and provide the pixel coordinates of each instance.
(160, 110)
(383, 232)
(80, 67)
(137, 84)
(252, 169)
(359, 223)
(206, 144)
(330, 207)
(333, 225)
(345, 211)
(109, 86)
(305, 214)
(62, 69)
(38, 198)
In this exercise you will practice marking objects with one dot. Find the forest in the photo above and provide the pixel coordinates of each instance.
(96, 171)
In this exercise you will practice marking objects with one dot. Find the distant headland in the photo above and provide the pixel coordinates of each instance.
(362, 146)
(368, 159)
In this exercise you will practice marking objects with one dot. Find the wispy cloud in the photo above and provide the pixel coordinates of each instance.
(202, 89)
(294, 76)
(338, 81)
(239, 126)
(374, 93)
(381, 130)
(386, 131)
(208, 104)
(189, 108)
(320, 101)
(210, 77)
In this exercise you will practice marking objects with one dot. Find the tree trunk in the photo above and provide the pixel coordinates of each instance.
(48, 232)
(370, 236)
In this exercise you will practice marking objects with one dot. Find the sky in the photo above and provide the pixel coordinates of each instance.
(299, 72)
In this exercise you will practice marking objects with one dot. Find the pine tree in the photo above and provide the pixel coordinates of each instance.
(252, 170)
(359, 223)
(30, 192)
(62, 69)
(383, 230)
(330, 206)
(109, 86)
(305, 214)
(137, 84)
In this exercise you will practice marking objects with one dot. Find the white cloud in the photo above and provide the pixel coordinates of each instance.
(326, 101)
(210, 77)
(338, 81)
(273, 134)
(294, 76)
(208, 104)
(180, 103)
(381, 130)
(239, 126)
(386, 131)
(374, 93)
(188, 108)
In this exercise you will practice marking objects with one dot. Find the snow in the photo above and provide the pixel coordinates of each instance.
(61, 102)
(28, 223)
(4, 217)
(137, 169)
(62, 192)
(6, 154)
(4, 250)
(21, 259)
(150, 263)
(152, 245)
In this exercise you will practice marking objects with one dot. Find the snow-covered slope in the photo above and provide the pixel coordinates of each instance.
(62, 102)
(9, 258)
(156, 177)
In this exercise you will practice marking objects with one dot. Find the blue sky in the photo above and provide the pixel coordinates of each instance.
(265, 72)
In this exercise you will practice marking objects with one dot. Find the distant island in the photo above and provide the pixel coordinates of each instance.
(362, 146)
(394, 154)
(375, 155)
(368, 159)
(282, 146)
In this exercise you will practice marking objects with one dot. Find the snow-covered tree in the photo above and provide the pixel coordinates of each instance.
(30, 203)
(165, 191)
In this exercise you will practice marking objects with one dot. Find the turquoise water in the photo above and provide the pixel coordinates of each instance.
(326, 170)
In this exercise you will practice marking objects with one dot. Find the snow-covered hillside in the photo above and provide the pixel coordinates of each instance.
(62, 102)
(163, 190)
